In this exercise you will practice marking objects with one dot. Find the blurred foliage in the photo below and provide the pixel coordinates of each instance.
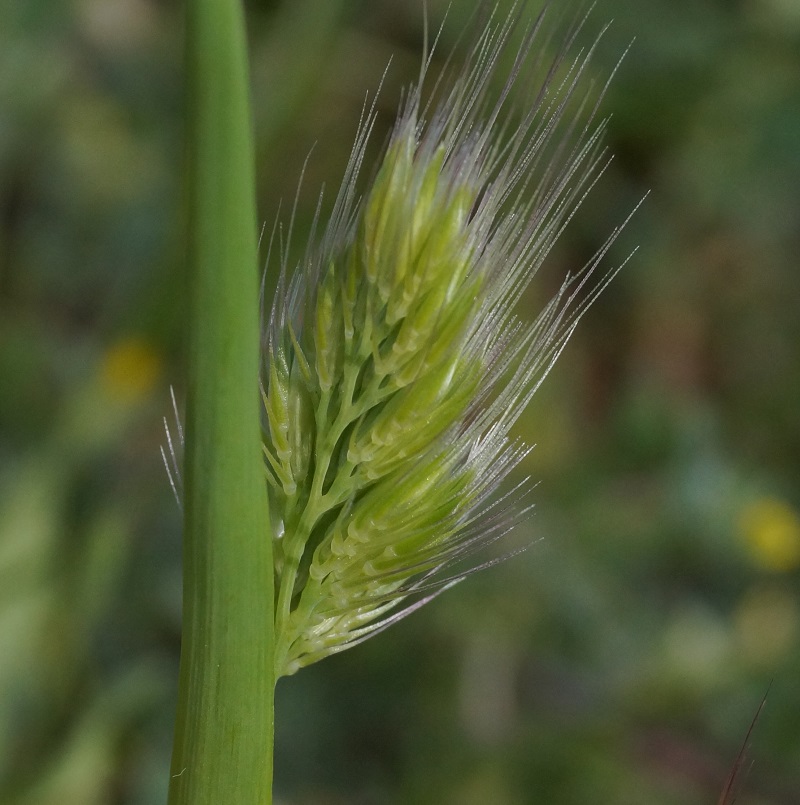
(623, 656)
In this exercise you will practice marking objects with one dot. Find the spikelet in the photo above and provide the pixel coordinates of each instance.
(395, 366)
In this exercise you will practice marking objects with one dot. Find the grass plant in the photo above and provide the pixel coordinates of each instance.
(394, 368)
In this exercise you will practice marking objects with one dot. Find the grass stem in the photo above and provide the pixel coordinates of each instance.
(224, 731)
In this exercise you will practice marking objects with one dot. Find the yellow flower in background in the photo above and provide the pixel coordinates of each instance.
(771, 531)
(129, 370)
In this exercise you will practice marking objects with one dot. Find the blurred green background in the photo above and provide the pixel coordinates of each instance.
(621, 659)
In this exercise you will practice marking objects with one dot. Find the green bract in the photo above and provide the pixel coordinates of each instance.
(395, 366)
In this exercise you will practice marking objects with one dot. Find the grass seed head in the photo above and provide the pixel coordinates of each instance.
(395, 365)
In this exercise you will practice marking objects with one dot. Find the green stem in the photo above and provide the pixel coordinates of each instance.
(223, 738)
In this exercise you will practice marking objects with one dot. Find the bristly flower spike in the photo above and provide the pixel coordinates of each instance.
(394, 364)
